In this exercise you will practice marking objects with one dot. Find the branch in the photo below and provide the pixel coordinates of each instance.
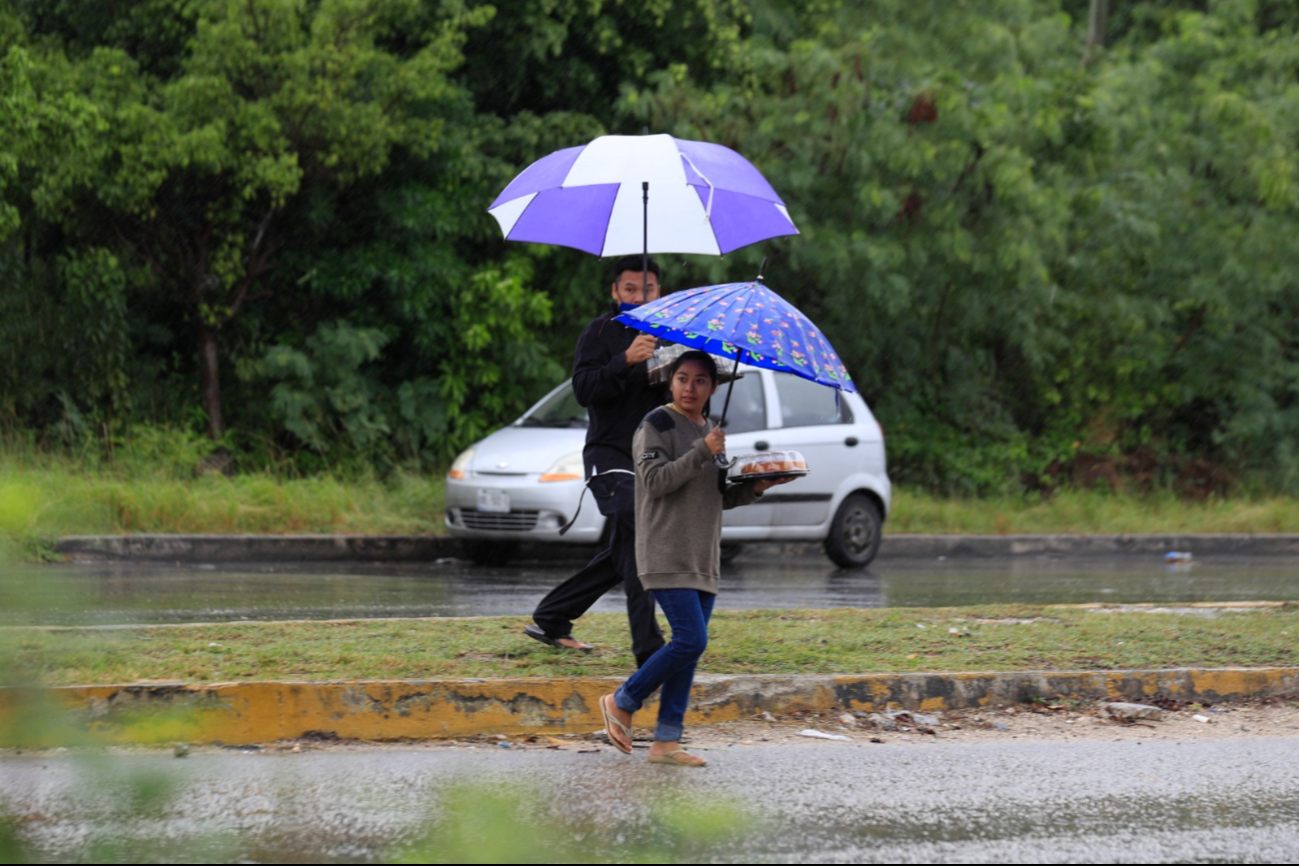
(261, 229)
(258, 263)
(979, 151)
(117, 229)
(1197, 322)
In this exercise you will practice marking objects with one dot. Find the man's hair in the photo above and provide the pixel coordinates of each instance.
(635, 263)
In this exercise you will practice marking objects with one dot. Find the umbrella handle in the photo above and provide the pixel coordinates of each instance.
(722, 462)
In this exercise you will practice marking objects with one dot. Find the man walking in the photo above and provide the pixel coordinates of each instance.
(611, 379)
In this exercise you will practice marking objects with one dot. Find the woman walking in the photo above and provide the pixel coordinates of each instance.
(678, 550)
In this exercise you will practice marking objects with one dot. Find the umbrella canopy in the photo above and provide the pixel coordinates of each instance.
(702, 198)
(748, 321)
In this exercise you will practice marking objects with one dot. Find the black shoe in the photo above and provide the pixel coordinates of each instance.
(536, 633)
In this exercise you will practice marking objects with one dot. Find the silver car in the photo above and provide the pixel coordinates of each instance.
(523, 482)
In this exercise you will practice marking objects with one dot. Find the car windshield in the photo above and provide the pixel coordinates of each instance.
(748, 409)
(807, 404)
(560, 409)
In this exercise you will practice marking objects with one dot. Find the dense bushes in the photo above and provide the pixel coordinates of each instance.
(1042, 271)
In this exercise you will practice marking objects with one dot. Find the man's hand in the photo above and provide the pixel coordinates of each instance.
(641, 349)
(716, 441)
(765, 484)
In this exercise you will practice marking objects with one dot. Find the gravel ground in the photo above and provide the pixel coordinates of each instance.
(1269, 718)
(1274, 717)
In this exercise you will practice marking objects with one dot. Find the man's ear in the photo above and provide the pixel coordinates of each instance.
(613, 293)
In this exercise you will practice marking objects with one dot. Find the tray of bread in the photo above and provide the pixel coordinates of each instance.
(768, 464)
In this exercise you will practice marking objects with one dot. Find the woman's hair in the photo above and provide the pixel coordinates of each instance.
(703, 358)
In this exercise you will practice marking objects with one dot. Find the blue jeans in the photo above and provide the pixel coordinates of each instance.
(673, 666)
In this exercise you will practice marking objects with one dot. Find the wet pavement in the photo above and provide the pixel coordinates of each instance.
(139, 593)
(1013, 801)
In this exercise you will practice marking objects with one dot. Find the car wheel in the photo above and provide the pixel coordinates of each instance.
(730, 551)
(855, 533)
(491, 552)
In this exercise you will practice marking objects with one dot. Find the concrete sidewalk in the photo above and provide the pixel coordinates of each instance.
(430, 548)
(259, 712)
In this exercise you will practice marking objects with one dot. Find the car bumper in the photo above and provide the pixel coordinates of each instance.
(536, 511)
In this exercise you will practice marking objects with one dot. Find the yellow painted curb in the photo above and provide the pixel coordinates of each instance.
(258, 712)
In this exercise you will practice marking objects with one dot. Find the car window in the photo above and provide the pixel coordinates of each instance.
(804, 403)
(748, 409)
(560, 409)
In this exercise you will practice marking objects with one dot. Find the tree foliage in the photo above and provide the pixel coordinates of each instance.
(1035, 265)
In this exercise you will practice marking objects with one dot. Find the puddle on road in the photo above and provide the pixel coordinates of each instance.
(1005, 802)
(134, 593)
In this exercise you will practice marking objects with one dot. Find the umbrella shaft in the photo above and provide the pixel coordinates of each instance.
(644, 257)
(730, 387)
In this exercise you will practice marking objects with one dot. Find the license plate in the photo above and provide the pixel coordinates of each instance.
(494, 501)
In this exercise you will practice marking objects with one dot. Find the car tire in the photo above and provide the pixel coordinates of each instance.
(855, 532)
(730, 551)
(494, 553)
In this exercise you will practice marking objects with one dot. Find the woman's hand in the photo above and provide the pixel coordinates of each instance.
(765, 484)
(716, 441)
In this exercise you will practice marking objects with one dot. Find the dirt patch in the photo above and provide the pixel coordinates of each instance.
(1274, 718)
(1264, 718)
(1271, 717)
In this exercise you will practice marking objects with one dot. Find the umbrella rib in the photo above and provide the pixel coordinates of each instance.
(608, 224)
(708, 211)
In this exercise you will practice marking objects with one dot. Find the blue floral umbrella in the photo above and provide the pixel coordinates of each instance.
(748, 322)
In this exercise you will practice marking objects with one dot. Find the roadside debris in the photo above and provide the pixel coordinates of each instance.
(1132, 712)
(892, 720)
(821, 735)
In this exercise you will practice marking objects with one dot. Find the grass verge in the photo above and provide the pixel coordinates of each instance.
(986, 638)
(53, 500)
(1087, 512)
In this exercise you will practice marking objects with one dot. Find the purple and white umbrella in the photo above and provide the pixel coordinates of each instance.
(700, 198)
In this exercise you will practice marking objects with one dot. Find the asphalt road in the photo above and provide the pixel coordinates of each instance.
(130, 593)
(1233, 800)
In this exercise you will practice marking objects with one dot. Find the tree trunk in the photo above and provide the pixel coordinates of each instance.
(208, 359)
(1097, 12)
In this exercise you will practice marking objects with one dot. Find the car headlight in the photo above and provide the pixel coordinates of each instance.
(460, 466)
(567, 468)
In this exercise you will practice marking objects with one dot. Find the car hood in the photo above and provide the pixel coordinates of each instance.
(526, 449)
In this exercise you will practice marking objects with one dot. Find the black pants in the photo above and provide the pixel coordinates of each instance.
(615, 495)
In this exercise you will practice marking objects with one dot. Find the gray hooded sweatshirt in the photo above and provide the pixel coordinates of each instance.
(678, 505)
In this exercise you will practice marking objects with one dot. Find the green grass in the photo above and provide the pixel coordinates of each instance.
(53, 502)
(1089, 512)
(992, 638)
(150, 485)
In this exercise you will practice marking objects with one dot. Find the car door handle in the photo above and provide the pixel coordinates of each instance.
(851, 441)
(762, 445)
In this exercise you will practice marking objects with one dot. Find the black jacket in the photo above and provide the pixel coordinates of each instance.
(617, 396)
